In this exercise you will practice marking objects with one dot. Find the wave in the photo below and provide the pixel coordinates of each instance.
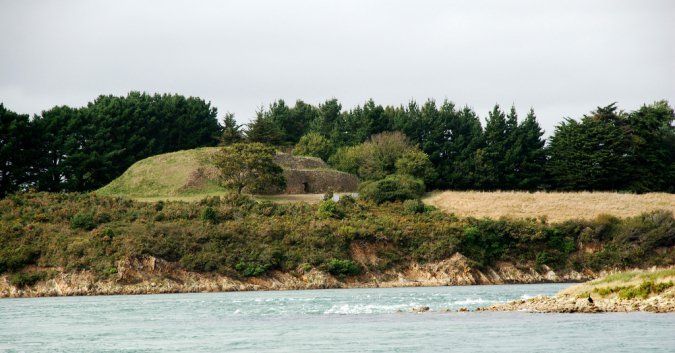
(346, 309)
(470, 301)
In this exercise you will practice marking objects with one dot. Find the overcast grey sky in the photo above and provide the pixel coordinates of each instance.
(563, 58)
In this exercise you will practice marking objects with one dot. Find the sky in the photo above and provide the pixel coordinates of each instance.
(563, 58)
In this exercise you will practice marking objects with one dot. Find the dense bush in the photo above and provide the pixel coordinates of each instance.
(83, 220)
(392, 188)
(339, 267)
(414, 206)
(25, 279)
(384, 154)
(314, 145)
(252, 238)
(330, 209)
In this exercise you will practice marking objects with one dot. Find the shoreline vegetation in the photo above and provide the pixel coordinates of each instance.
(638, 290)
(84, 244)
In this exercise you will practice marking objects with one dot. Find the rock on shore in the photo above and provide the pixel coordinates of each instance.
(569, 304)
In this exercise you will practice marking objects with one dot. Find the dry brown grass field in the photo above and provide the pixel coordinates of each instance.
(555, 206)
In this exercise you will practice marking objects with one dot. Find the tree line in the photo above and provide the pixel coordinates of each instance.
(607, 149)
(80, 149)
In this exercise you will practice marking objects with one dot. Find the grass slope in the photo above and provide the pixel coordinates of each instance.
(164, 177)
(189, 176)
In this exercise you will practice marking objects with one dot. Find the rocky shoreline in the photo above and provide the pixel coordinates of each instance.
(149, 275)
(639, 290)
(568, 304)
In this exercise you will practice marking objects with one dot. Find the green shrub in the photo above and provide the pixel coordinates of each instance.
(251, 269)
(644, 289)
(16, 258)
(314, 145)
(209, 214)
(414, 206)
(416, 163)
(159, 206)
(392, 188)
(485, 242)
(330, 209)
(339, 267)
(541, 260)
(83, 220)
(25, 279)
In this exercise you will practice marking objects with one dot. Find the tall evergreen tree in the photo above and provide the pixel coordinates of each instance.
(652, 137)
(512, 152)
(328, 115)
(280, 114)
(491, 164)
(352, 127)
(301, 116)
(594, 154)
(16, 151)
(232, 132)
(264, 130)
(527, 157)
(465, 140)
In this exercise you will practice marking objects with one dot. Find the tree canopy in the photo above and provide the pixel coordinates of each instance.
(79, 149)
(250, 166)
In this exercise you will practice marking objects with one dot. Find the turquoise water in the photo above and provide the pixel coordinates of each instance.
(321, 320)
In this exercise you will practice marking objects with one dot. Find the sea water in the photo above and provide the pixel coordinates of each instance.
(353, 320)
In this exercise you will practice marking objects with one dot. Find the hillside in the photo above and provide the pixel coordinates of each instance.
(190, 175)
(552, 206)
(78, 244)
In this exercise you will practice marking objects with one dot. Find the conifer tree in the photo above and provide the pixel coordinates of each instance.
(232, 132)
(528, 155)
(594, 154)
(264, 130)
(491, 158)
(328, 115)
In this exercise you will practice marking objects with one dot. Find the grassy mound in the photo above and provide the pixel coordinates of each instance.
(182, 173)
(189, 176)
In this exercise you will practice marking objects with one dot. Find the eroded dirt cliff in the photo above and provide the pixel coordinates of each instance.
(149, 275)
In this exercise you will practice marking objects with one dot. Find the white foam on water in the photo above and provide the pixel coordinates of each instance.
(346, 309)
(470, 301)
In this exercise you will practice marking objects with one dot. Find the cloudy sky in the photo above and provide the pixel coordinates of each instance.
(562, 58)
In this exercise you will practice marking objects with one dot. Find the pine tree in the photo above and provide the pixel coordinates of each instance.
(652, 137)
(280, 115)
(512, 152)
(328, 116)
(264, 130)
(529, 155)
(491, 159)
(15, 150)
(232, 132)
(594, 154)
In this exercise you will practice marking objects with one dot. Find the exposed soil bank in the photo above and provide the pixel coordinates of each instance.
(149, 275)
